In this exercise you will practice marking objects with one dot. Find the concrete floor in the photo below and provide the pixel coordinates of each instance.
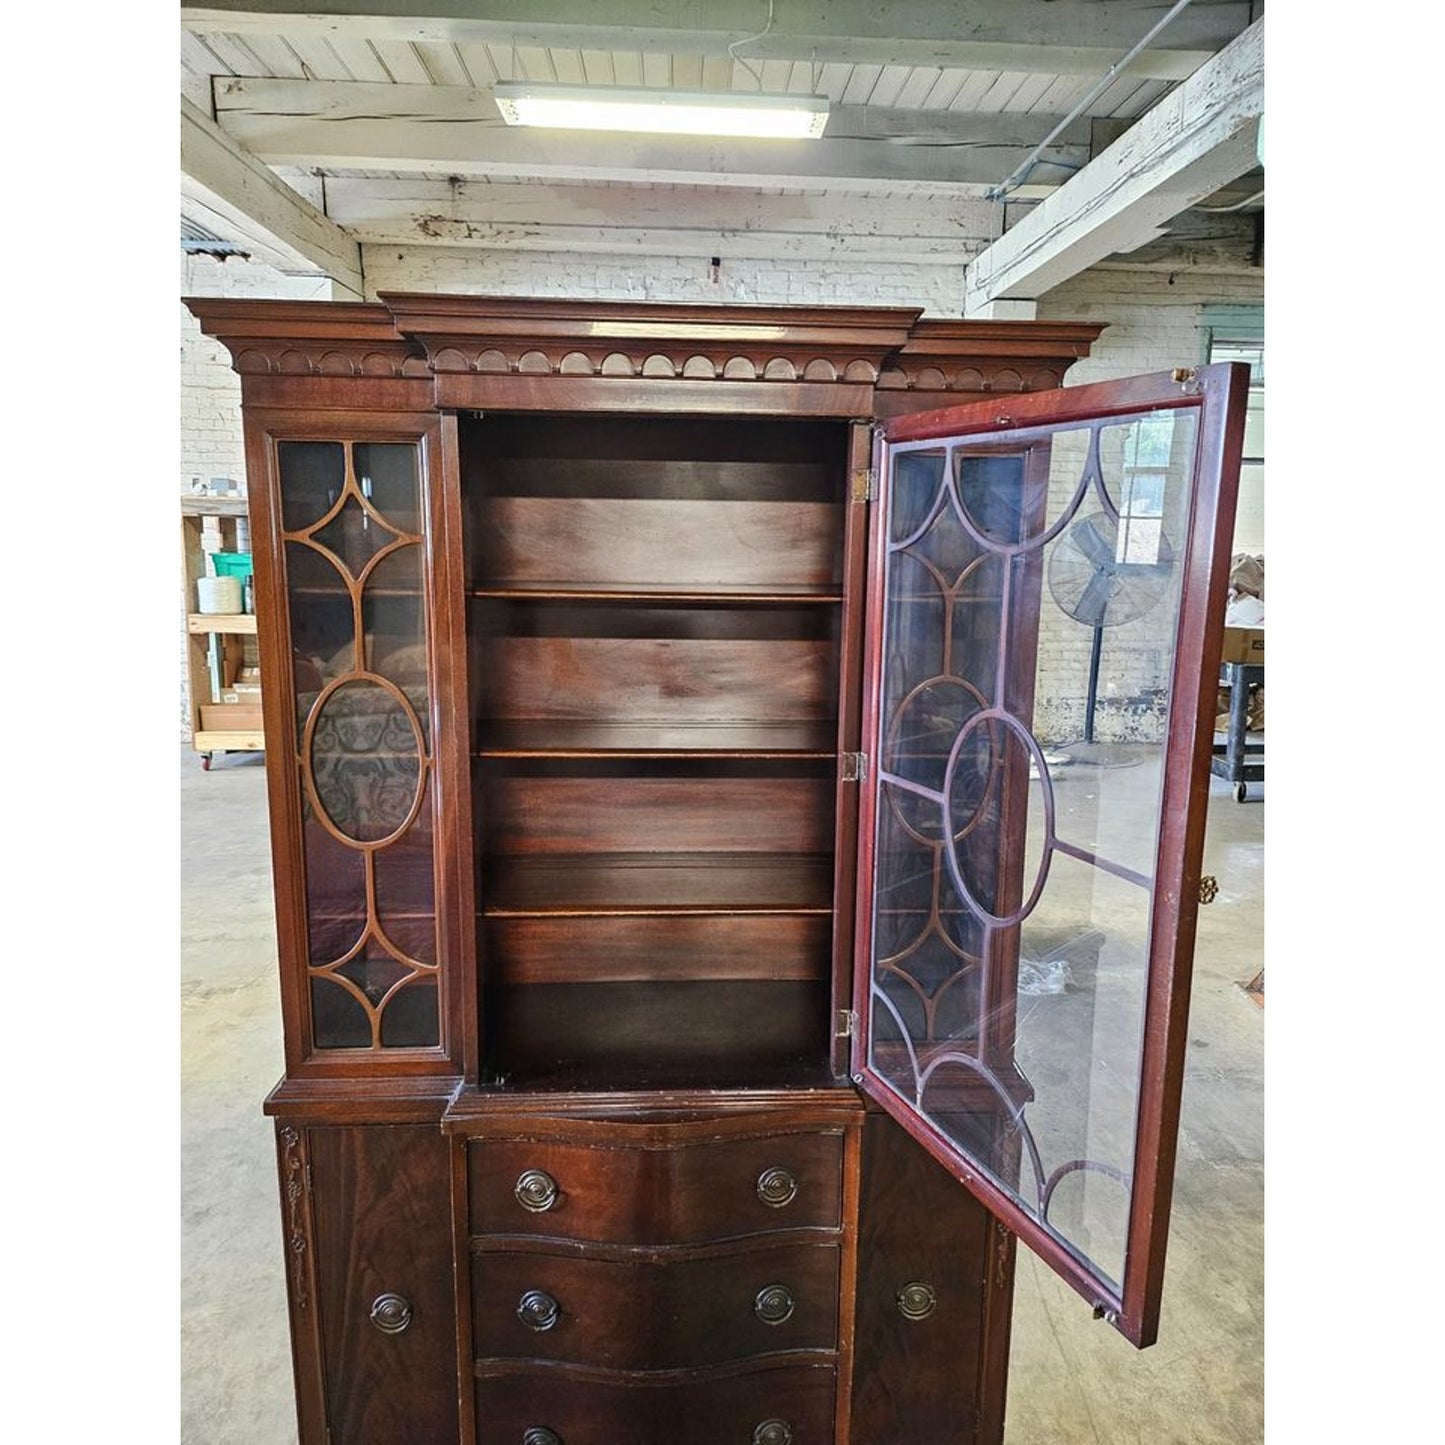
(1073, 1381)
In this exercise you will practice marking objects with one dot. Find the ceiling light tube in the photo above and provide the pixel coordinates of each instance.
(661, 112)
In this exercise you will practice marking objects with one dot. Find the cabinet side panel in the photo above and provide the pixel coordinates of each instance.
(927, 1374)
(381, 1205)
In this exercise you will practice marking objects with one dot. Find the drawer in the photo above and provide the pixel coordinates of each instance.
(655, 1313)
(792, 1405)
(682, 1192)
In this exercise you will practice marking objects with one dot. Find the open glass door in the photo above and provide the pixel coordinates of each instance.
(1046, 598)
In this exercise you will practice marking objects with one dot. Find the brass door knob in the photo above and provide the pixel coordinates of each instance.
(774, 1304)
(773, 1432)
(536, 1190)
(538, 1310)
(777, 1186)
(390, 1313)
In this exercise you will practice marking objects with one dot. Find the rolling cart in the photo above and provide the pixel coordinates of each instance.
(1231, 759)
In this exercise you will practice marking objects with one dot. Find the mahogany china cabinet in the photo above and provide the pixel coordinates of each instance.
(701, 960)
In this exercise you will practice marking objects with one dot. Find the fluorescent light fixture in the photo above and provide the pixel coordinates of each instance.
(661, 112)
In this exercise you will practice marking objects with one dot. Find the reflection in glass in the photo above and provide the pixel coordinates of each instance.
(354, 555)
(1030, 580)
(312, 475)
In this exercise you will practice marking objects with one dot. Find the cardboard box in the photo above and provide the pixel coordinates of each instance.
(230, 718)
(1243, 644)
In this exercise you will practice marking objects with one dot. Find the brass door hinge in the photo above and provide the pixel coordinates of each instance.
(865, 484)
(855, 767)
(847, 1024)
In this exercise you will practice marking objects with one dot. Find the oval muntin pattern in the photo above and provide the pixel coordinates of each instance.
(373, 930)
(926, 1057)
(308, 771)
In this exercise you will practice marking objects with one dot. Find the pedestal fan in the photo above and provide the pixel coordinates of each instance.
(1099, 584)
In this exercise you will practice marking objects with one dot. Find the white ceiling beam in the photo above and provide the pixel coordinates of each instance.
(221, 181)
(1041, 37)
(455, 130)
(1198, 138)
(663, 222)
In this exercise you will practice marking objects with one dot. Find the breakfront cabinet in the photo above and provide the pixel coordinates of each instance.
(706, 948)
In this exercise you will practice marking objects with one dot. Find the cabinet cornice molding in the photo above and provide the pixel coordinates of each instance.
(416, 336)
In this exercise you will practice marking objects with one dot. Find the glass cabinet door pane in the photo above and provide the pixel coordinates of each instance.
(355, 555)
(1032, 579)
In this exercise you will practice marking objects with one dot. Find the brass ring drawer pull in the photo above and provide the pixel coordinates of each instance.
(773, 1432)
(916, 1301)
(390, 1313)
(536, 1191)
(777, 1187)
(774, 1304)
(541, 1435)
(538, 1310)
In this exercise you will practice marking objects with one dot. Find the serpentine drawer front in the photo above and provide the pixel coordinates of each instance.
(682, 1192)
(787, 1405)
(654, 1310)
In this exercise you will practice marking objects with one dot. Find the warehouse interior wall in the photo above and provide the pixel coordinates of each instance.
(1155, 321)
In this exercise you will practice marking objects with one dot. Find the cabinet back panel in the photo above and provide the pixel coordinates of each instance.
(658, 542)
(504, 436)
(658, 815)
(627, 949)
(659, 679)
(682, 478)
(657, 1035)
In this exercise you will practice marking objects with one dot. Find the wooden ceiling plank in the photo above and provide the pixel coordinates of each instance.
(478, 62)
(402, 62)
(717, 72)
(889, 83)
(442, 62)
(219, 174)
(997, 97)
(833, 80)
(276, 55)
(360, 58)
(1197, 139)
(945, 89)
(318, 59)
(1062, 96)
(915, 91)
(536, 64)
(1115, 101)
(1026, 97)
(687, 72)
(237, 54)
(627, 67)
(1039, 36)
(196, 55)
(567, 66)
(977, 84)
(861, 83)
(656, 68)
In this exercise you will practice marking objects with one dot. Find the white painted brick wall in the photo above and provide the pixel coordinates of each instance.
(211, 444)
(937, 289)
(1153, 325)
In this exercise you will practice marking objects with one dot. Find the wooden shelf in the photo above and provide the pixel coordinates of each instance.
(616, 884)
(249, 741)
(770, 595)
(229, 622)
(567, 738)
